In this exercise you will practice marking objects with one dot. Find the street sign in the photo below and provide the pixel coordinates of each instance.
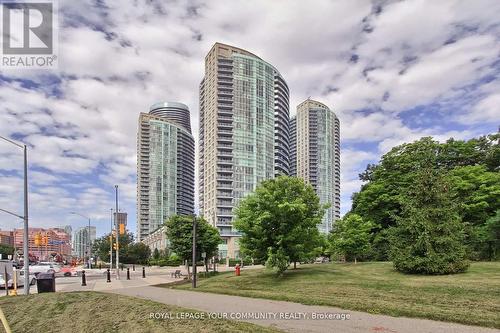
(55, 242)
(203, 255)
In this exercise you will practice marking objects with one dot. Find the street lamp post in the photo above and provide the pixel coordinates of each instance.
(117, 235)
(88, 240)
(25, 217)
(194, 253)
(111, 243)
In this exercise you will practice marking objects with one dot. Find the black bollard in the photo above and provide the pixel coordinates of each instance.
(84, 279)
(133, 267)
(122, 267)
(108, 276)
(128, 273)
(99, 266)
(143, 272)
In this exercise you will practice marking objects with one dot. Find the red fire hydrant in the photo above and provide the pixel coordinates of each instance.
(237, 267)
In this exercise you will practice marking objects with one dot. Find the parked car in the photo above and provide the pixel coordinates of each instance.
(43, 267)
(20, 279)
(68, 271)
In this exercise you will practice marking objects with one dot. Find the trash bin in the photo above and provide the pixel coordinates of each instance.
(46, 283)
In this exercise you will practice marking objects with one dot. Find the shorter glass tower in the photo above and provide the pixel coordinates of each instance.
(317, 149)
(165, 166)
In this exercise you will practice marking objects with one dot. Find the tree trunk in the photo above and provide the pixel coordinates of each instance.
(206, 265)
(294, 265)
(355, 261)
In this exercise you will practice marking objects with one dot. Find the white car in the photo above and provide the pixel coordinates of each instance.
(43, 267)
(20, 280)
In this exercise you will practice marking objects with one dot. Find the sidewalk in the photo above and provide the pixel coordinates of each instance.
(235, 305)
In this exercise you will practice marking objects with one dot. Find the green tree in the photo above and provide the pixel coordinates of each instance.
(473, 167)
(428, 238)
(6, 250)
(477, 191)
(180, 234)
(351, 236)
(138, 253)
(156, 254)
(492, 236)
(101, 248)
(279, 222)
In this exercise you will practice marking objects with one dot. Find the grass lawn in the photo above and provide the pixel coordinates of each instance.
(470, 298)
(100, 312)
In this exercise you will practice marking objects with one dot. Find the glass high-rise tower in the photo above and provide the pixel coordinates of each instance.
(165, 166)
(316, 150)
(244, 133)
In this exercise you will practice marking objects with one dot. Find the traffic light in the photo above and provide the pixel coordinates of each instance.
(122, 229)
(38, 239)
(115, 245)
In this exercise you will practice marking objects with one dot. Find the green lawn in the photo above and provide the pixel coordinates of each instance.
(100, 312)
(469, 298)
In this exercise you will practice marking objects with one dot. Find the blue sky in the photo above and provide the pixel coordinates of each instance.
(391, 71)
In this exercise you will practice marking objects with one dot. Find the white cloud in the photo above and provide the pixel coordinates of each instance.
(116, 59)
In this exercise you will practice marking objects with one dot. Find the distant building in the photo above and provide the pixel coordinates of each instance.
(69, 230)
(122, 218)
(293, 146)
(81, 241)
(58, 242)
(7, 237)
(317, 149)
(157, 239)
(165, 166)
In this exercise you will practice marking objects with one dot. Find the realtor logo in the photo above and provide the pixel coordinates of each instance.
(28, 34)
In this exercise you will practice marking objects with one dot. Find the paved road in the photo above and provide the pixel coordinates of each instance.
(235, 306)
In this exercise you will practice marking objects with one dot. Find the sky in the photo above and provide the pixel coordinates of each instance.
(392, 71)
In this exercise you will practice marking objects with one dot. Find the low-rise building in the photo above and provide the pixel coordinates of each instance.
(157, 239)
(58, 242)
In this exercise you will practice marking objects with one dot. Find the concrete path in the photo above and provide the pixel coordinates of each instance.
(294, 317)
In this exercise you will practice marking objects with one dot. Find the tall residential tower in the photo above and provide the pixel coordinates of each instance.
(317, 147)
(244, 132)
(165, 166)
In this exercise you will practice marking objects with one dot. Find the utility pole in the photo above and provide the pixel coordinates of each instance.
(116, 230)
(25, 217)
(194, 252)
(25, 234)
(111, 243)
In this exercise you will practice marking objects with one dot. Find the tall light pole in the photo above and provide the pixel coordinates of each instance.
(111, 243)
(194, 252)
(88, 239)
(25, 217)
(117, 234)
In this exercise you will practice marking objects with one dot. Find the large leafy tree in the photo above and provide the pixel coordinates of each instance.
(6, 250)
(351, 236)
(473, 166)
(101, 248)
(180, 235)
(279, 222)
(478, 193)
(490, 234)
(428, 237)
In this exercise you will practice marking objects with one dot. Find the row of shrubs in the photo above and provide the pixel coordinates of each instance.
(173, 260)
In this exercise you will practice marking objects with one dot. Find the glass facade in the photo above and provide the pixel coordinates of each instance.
(317, 147)
(165, 166)
(244, 116)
